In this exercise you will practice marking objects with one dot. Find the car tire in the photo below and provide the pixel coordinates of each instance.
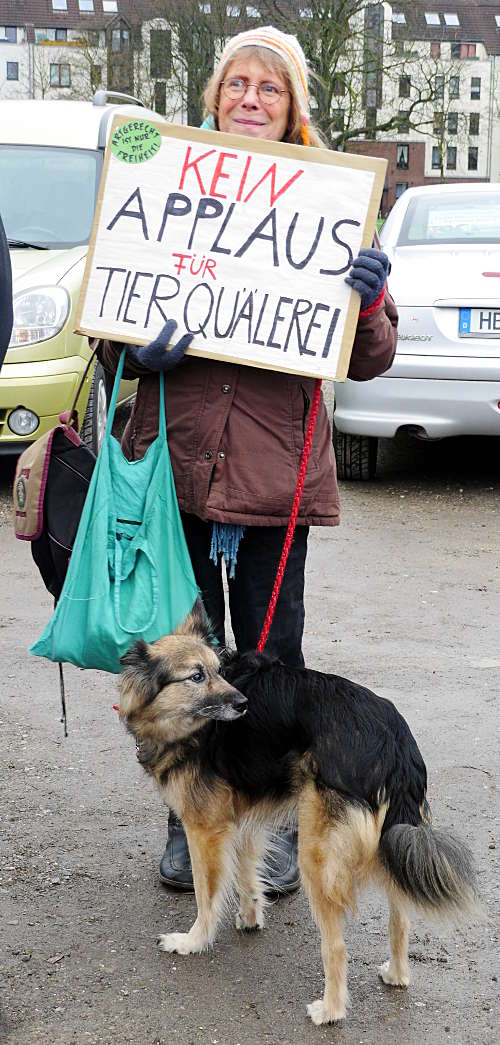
(356, 455)
(96, 415)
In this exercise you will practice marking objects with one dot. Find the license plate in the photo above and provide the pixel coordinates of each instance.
(479, 322)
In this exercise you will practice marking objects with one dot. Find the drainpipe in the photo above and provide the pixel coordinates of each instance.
(490, 115)
(30, 42)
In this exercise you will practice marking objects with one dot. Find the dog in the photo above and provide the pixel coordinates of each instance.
(241, 744)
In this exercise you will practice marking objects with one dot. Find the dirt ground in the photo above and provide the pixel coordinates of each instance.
(404, 597)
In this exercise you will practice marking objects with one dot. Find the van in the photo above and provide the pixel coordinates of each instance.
(51, 160)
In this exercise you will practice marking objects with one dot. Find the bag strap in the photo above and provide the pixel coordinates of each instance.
(162, 426)
(72, 413)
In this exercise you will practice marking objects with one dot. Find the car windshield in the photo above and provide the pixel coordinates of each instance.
(48, 194)
(455, 218)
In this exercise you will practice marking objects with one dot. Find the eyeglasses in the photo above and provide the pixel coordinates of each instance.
(236, 88)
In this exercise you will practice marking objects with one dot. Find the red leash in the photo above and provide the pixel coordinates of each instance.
(293, 518)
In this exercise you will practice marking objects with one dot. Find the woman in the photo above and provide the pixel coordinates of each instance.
(236, 433)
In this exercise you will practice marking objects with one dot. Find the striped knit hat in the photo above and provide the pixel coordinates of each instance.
(284, 45)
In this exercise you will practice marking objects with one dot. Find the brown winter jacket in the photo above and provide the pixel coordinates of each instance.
(236, 433)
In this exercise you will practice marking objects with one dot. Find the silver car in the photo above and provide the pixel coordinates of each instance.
(443, 242)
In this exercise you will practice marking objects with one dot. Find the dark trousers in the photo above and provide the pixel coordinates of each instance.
(250, 590)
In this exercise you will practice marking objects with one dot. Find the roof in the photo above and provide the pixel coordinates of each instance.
(476, 22)
(41, 13)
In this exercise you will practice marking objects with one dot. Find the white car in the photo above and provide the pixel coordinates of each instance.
(443, 242)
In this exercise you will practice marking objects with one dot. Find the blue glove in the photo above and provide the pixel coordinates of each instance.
(155, 356)
(368, 274)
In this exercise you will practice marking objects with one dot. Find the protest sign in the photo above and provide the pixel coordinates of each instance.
(245, 243)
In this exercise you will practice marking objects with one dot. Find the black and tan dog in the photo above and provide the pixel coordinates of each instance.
(239, 752)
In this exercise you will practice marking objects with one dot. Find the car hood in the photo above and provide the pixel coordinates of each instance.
(35, 268)
(439, 274)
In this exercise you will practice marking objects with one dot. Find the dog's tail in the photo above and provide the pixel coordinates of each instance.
(433, 869)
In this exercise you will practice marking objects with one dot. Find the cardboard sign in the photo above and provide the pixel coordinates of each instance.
(244, 243)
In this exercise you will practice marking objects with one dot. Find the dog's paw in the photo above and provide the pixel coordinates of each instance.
(389, 975)
(249, 920)
(321, 1013)
(179, 943)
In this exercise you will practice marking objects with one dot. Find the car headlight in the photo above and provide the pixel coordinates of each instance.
(22, 421)
(39, 314)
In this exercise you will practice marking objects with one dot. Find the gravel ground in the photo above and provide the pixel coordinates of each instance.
(403, 597)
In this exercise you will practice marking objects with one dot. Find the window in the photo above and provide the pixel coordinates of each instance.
(497, 21)
(339, 84)
(110, 7)
(401, 186)
(161, 97)
(232, 11)
(12, 70)
(451, 157)
(474, 123)
(252, 12)
(337, 122)
(160, 51)
(120, 39)
(402, 157)
(404, 86)
(452, 123)
(371, 98)
(50, 34)
(305, 12)
(475, 87)
(454, 87)
(432, 18)
(205, 9)
(451, 19)
(10, 34)
(436, 157)
(404, 122)
(439, 86)
(473, 155)
(60, 75)
(95, 76)
(86, 6)
(435, 50)
(59, 5)
(463, 50)
(398, 17)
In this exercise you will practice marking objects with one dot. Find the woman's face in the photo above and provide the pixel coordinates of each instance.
(251, 115)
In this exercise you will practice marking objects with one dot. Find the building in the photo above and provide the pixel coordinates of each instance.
(434, 64)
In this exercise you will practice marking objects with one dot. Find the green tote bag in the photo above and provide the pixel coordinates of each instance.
(130, 575)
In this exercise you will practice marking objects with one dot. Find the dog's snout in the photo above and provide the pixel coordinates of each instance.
(240, 702)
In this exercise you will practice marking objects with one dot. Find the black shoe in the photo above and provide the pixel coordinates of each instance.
(282, 870)
(175, 865)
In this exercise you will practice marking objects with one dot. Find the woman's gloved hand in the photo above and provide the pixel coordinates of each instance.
(368, 274)
(155, 356)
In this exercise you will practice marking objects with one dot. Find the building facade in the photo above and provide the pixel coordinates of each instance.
(433, 63)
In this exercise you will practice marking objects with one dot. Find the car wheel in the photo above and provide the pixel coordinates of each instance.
(356, 455)
(96, 414)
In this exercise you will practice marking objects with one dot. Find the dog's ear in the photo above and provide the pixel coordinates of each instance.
(238, 669)
(136, 656)
(197, 623)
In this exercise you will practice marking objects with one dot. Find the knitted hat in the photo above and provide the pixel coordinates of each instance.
(284, 45)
